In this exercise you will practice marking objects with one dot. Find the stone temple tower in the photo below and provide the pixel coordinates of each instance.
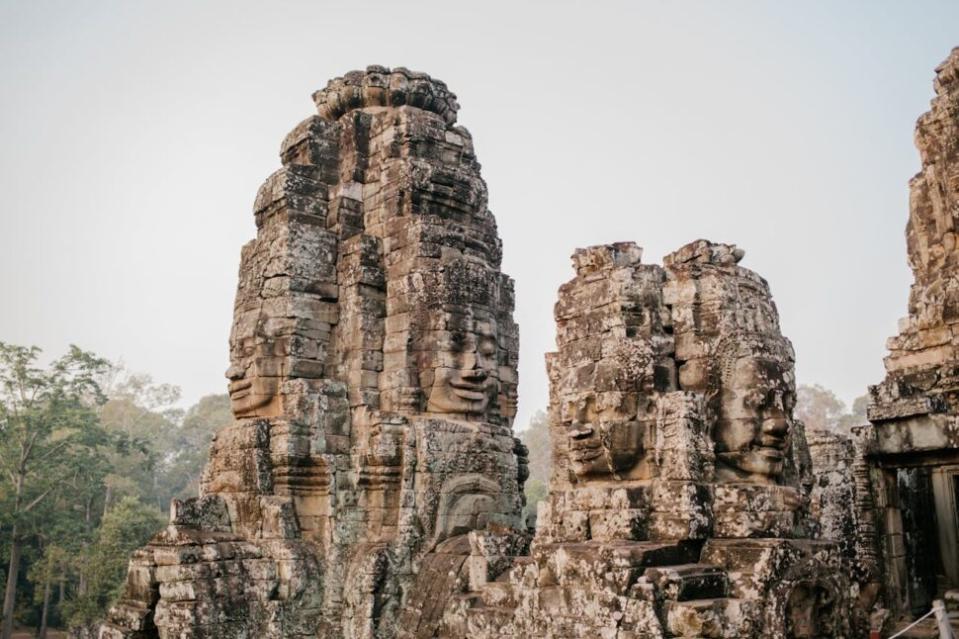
(372, 377)
(909, 455)
(678, 499)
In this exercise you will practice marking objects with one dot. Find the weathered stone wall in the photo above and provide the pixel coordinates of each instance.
(370, 485)
(833, 494)
(372, 376)
(908, 457)
(679, 501)
(921, 372)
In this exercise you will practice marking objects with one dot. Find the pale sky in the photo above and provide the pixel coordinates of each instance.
(135, 134)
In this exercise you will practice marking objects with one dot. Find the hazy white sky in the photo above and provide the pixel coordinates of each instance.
(135, 134)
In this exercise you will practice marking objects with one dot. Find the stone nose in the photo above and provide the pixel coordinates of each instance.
(471, 368)
(234, 372)
(474, 375)
(775, 426)
(469, 361)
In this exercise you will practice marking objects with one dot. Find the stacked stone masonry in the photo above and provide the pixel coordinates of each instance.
(907, 460)
(679, 500)
(372, 376)
(371, 486)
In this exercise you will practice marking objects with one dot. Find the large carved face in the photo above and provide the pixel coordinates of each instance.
(253, 372)
(753, 425)
(604, 436)
(465, 376)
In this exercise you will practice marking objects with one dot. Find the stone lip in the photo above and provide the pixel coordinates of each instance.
(382, 87)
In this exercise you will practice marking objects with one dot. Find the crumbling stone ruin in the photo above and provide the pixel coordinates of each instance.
(372, 376)
(908, 457)
(371, 487)
(680, 477)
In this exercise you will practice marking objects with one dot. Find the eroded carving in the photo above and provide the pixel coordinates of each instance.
(372, 376)
(757, 396)
(677, 505)
(907, 523)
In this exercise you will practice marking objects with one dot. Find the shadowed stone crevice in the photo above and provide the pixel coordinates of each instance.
(679, 500)
(370, 486)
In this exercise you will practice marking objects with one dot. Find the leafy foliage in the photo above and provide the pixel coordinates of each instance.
(537, 440)
(49, 432)
(820, 409)
(90, 457)
(125, 527)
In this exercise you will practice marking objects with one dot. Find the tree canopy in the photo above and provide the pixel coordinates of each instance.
(821, 409)
(90, 456)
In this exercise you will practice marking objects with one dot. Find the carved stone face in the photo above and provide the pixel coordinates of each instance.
(604, 436)
(253, 374)
(756, 404)
(809, 611)
(465, 380)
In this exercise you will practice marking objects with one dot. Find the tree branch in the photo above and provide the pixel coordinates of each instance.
(53, 450)
(36, 501)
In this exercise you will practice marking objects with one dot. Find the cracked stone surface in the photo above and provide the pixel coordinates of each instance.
(680, 499)
(907, 458)
(372, 376)
(371, 486)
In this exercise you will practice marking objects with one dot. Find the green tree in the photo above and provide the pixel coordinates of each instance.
(51, 568)
(49, 549)
(47, 422)
(819, 408)
(169, 445)
(142, 413)
(537, 440)
(191, 444)
(126, 526)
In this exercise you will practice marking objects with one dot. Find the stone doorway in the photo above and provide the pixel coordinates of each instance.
(928, 498)
(919, 537)
(945, 490)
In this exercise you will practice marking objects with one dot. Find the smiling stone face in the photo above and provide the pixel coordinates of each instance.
(757, 398)
(612, 362)
(251, 389)
(730, 348)
(454, 345)
(254, 369)
(604, 436)
(465, 379)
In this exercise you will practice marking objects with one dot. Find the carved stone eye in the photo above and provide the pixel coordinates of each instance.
(247, 347)
(487, 346)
